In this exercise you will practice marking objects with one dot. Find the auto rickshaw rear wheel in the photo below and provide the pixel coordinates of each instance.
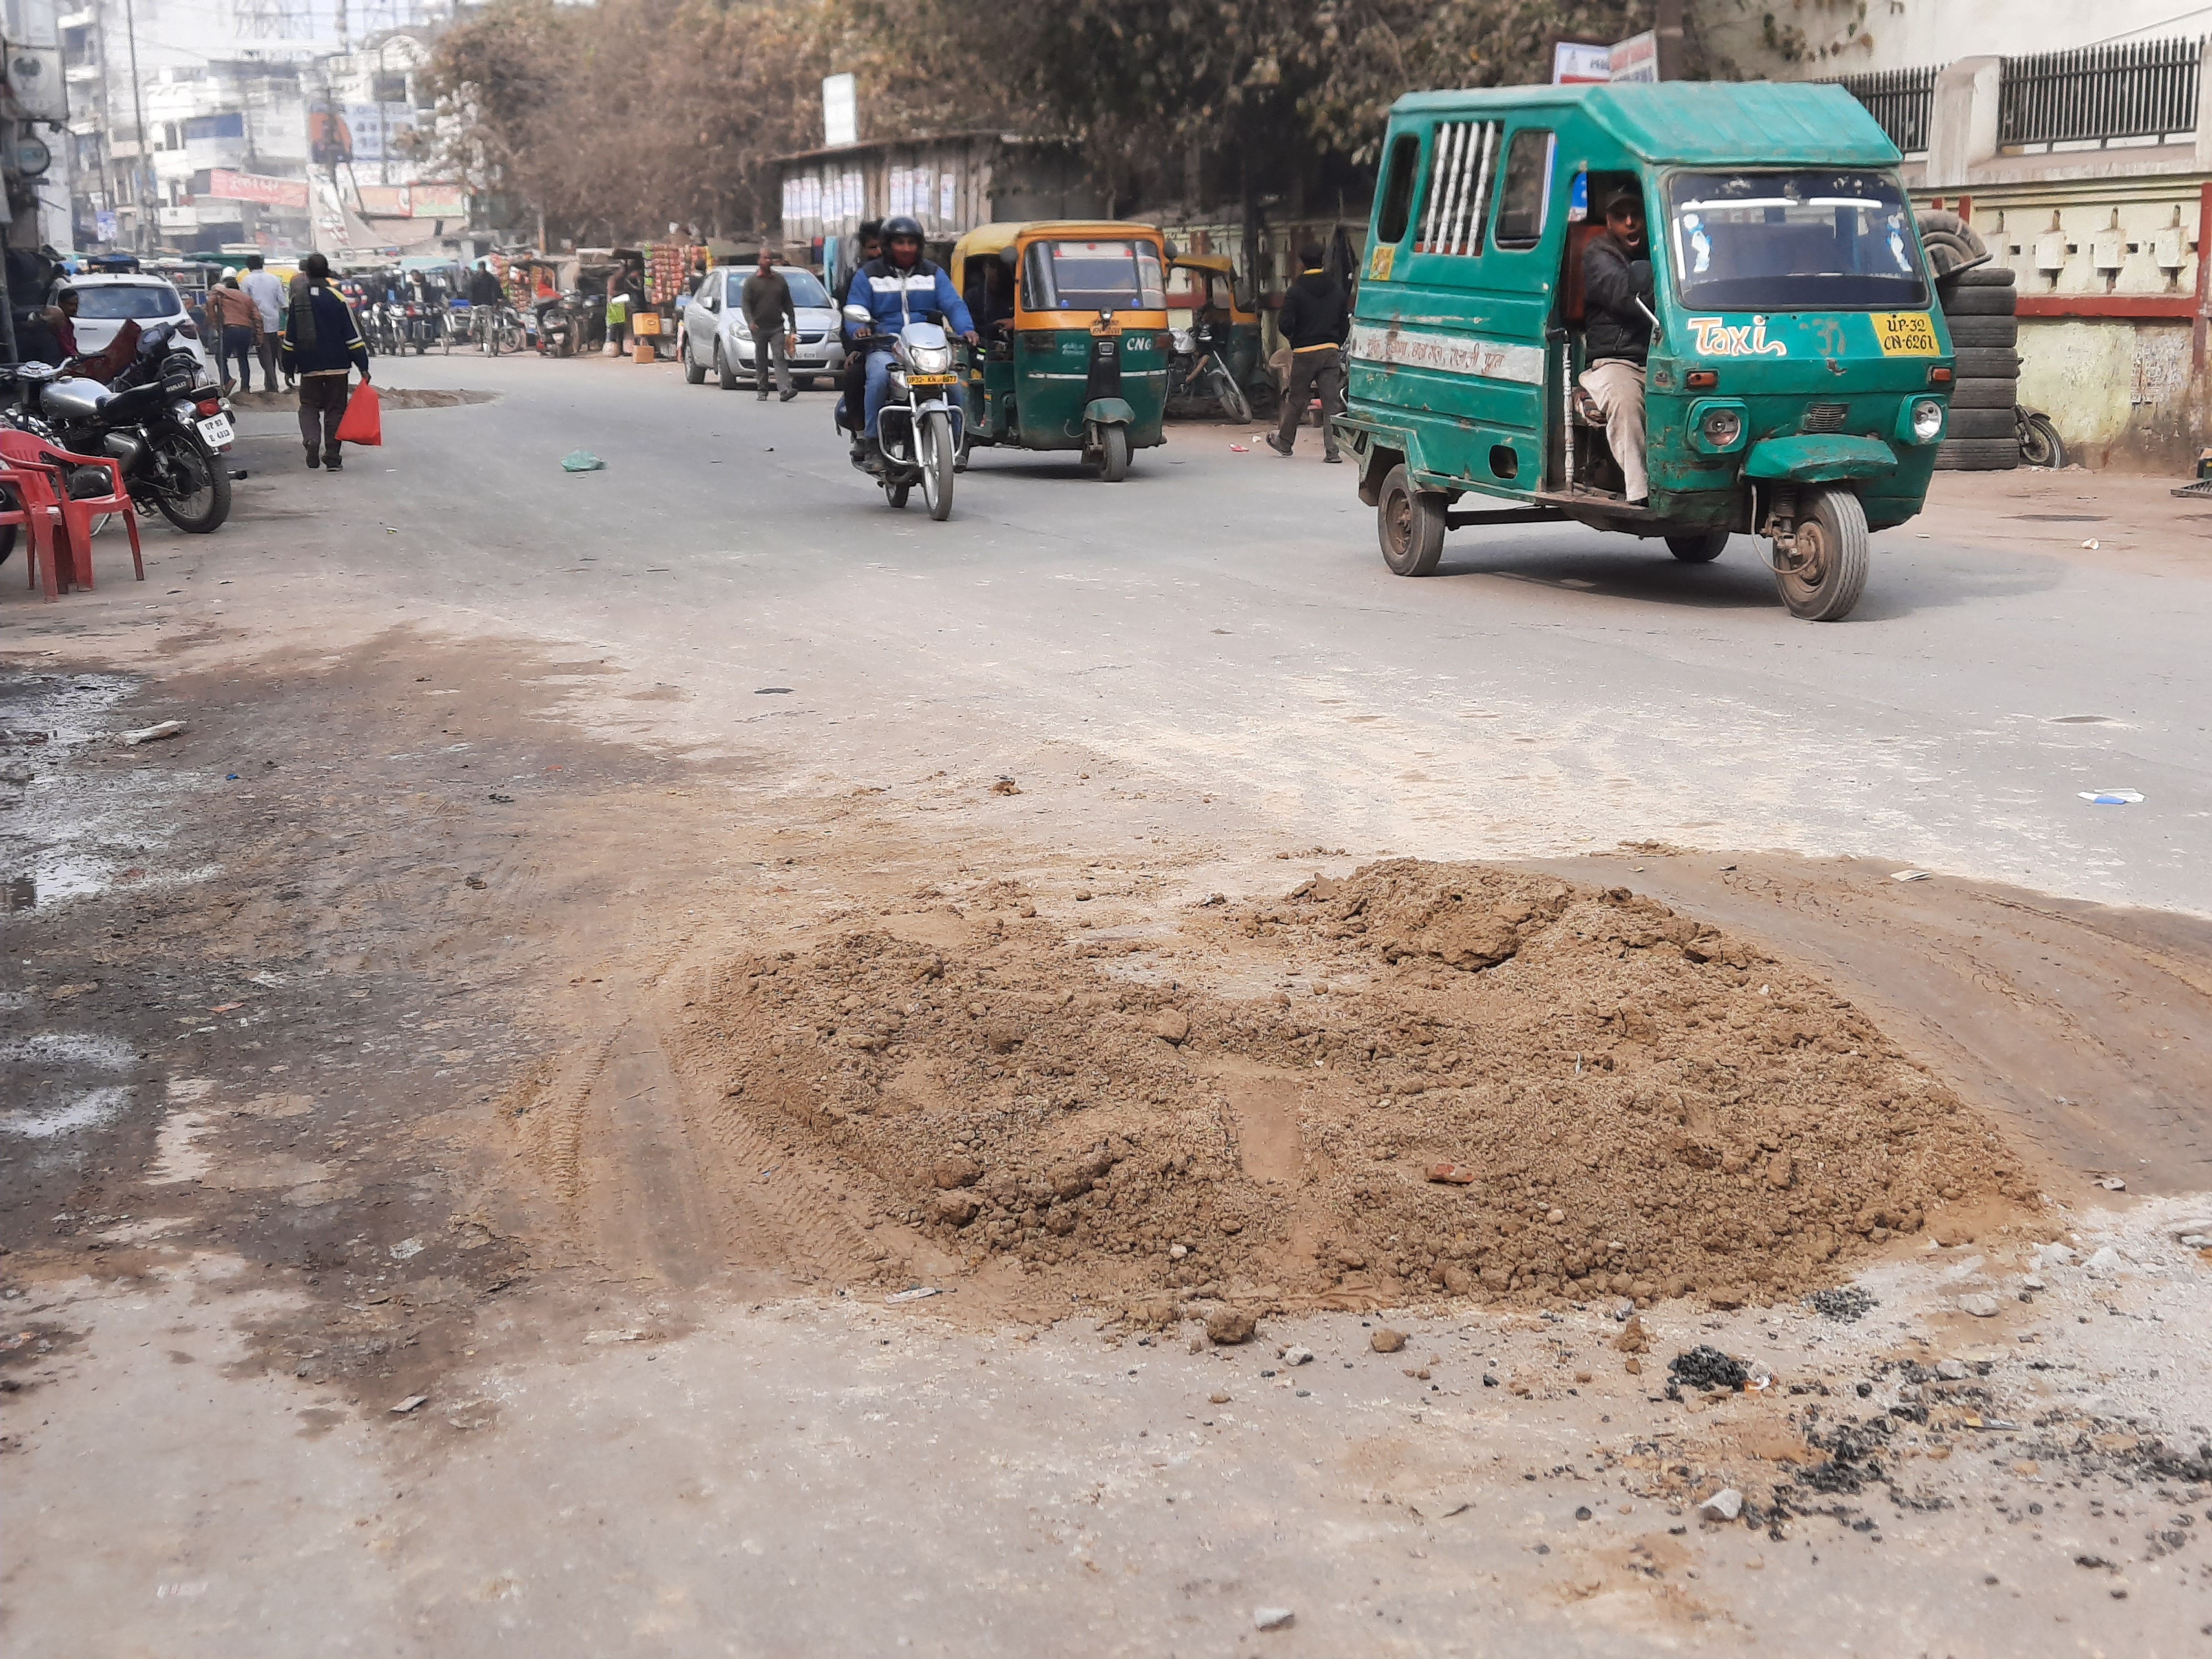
(1702, 548)
(1824, 573)
(1114, 454)
(1410, 524)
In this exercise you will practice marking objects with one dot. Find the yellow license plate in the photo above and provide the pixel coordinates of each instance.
(1905, 334)
(931, 380)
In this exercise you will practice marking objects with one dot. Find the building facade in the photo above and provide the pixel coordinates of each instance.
(2078, 141)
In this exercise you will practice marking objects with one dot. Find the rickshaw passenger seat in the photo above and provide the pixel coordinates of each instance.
(1570, 280)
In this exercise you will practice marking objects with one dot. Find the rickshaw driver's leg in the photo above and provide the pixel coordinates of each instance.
(1617, 386)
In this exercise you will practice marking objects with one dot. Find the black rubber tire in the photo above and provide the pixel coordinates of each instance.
(210, 517)
(1837, 522)
(1986, 363)
(695, 372)
(1950, 241)
(1410, 525)
(802, 382)
(1700, 547)
(897, 494)
(1977, 454)
(934, 445)
(1230, 396)
(724, 376)
(1968, 424)
(1966, 301)
(1967, 332)
(2039, 443)
(1998, 393)
(1989, 276)
(1113, 453)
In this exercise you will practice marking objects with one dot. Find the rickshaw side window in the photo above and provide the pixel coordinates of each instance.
(1460, 179)
(1397, 193)
(1525, 201)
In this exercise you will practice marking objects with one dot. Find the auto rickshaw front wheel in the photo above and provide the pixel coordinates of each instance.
(1410, 524)
(1823, 573)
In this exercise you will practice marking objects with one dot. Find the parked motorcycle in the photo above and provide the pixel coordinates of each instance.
(919, 429)
(1198, 367)
(162, 423)
(556, 334)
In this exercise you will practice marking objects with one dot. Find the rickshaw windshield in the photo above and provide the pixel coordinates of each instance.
(1794, 242)
(1094, 276)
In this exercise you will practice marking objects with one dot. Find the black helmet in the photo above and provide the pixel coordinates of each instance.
(901, 225)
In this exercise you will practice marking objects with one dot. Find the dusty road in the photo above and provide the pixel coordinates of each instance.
(601, 938)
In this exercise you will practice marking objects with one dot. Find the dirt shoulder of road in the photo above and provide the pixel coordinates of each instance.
(2099, 520)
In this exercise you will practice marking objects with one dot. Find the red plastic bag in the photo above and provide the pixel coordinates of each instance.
(363, 420)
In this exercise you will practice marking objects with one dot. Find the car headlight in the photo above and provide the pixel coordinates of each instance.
(931, 360)
(1926, 420)
(1720, 427)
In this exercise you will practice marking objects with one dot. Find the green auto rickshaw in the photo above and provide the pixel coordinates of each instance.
(1798, 374)
(1074, 324)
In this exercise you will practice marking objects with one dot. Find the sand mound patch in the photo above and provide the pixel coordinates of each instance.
(1628, 1103)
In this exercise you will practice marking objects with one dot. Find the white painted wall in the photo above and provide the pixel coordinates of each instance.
(1807, 39)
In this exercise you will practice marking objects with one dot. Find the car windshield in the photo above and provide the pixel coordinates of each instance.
(806, 290)
(107, 303)
(1794, 242)
(1095, 276)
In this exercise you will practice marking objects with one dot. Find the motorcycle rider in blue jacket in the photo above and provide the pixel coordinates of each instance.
(897, 288)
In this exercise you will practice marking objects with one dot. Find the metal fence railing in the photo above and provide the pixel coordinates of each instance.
(2136, 89)
(1898, 100)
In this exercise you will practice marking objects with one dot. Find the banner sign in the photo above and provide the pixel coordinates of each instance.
(257, 187)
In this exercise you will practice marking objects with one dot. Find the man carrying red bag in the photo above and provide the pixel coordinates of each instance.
(322, 345)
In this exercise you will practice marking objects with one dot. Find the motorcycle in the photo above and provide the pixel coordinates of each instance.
(1199, 368)
(556, 335)
(919, 429)
(164, 425)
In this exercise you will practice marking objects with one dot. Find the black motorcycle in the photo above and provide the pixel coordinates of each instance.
(161, 422)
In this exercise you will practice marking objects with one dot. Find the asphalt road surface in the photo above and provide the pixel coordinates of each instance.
(318, 1342)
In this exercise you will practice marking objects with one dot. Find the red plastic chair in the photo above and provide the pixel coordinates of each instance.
(28, 449)
(33, 512)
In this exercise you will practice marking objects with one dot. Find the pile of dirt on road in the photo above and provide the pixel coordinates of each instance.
(1625, 1101)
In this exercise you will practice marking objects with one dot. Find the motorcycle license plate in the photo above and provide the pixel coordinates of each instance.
(931, 380)
(216, 430)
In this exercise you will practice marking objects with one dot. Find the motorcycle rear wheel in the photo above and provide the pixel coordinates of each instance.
(896, 493)
(205, 508)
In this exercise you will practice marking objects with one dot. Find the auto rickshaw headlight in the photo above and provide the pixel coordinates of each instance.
(1926, 420)
(1717, 425)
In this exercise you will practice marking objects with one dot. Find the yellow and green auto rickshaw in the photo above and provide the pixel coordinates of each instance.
(1798, 374)
(1216, 342)
(1074, 322)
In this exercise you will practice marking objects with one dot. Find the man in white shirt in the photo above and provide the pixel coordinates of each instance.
(268, 296)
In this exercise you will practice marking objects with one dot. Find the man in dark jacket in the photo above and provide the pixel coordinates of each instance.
(856, 362)
(321, 344)
(766, 301)
(1314, 319)
(1617, 335)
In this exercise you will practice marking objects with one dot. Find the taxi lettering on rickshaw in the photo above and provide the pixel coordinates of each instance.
(1717, 338)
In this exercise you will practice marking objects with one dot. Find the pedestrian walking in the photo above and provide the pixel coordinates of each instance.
(766, 298)
(1314, 320)
(618, 303)
(267, 294)
(238, 322)
(322, 342)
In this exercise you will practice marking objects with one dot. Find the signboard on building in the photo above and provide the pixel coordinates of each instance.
(384, 202)
(258, 187)
(1636, 58)
(35, 77)
(438, 201)
(1578, 64)
(377, 130)
(841, 110)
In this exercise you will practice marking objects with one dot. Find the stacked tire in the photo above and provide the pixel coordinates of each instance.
(1978, 303)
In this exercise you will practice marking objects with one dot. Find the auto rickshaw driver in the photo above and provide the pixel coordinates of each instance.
(1617, 332)
(900, 285)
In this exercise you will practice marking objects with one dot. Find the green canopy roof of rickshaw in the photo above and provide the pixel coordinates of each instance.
(1722, 124)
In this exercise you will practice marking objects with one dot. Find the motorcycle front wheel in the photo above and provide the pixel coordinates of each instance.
(200, 501)
(1234, 403)
(938, 456)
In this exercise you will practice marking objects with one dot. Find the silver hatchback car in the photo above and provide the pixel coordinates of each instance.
(717, 340)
